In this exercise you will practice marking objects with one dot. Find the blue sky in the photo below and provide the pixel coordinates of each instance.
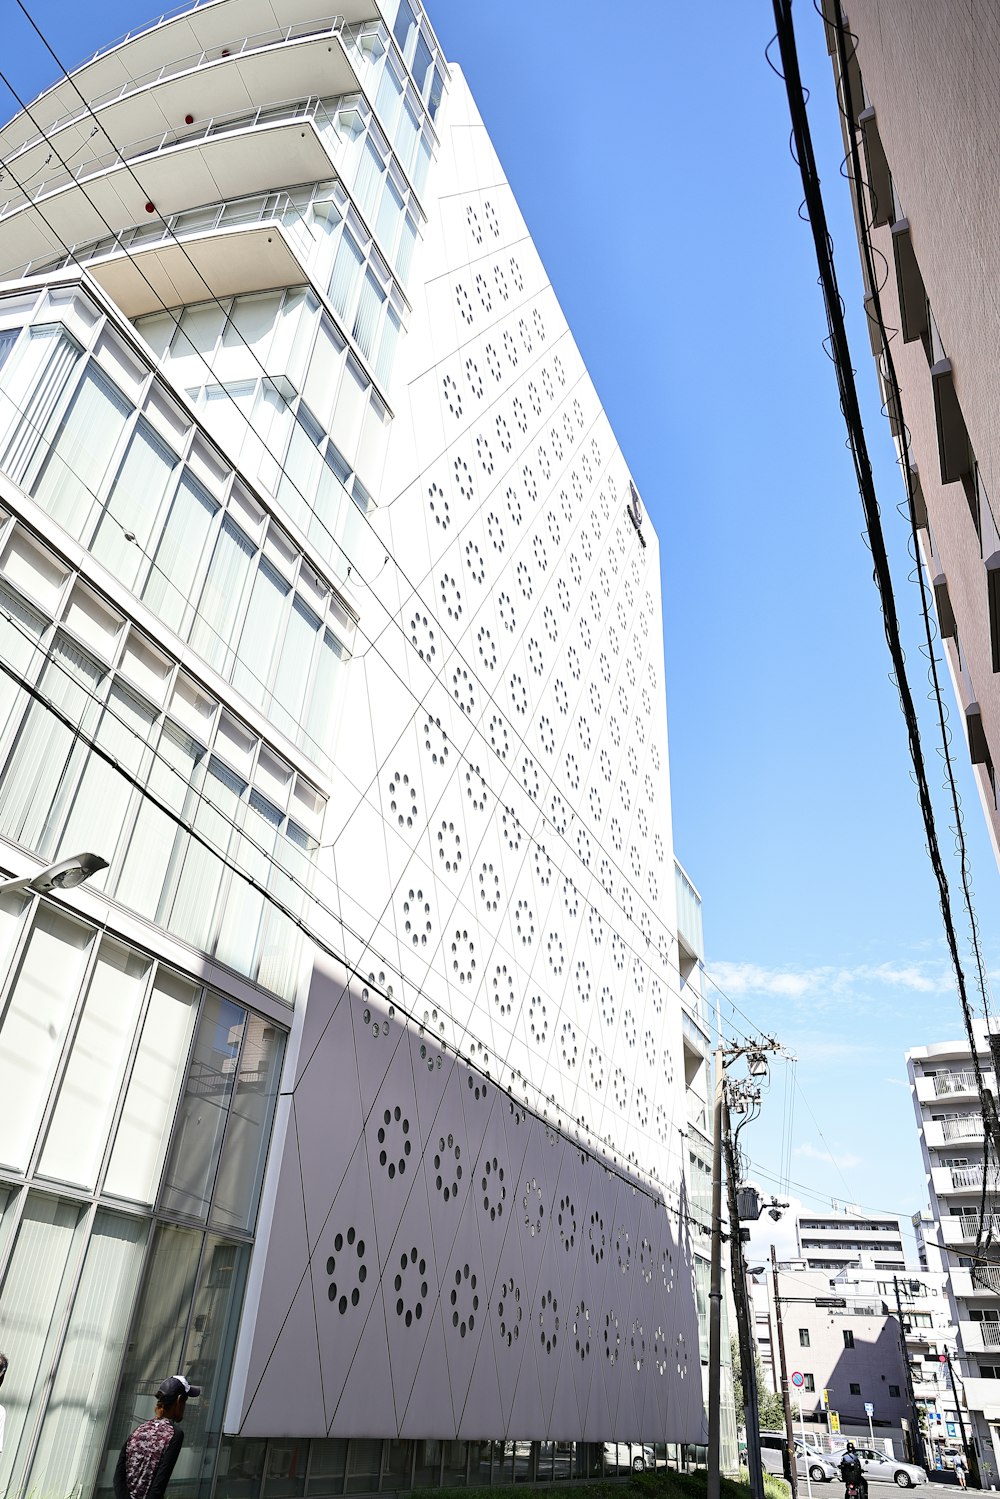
(649, 152)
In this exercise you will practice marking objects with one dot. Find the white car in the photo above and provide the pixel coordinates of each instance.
(807, 1460)
(880, 1468)
(621, 1456)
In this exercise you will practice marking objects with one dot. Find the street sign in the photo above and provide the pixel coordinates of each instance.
(830, 1301)
(834, 1419)
(869, 1408)
(825, 1400)
(798, 1380)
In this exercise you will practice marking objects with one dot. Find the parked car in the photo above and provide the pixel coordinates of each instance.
(807, 1460)
(880, 1468)
(622, 1456)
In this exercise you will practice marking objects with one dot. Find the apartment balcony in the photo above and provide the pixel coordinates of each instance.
(980, 1337)
(252, 244)
(163, 65)
(960, 1083)
(961, 1179)
(986, 1283)
(941, 1132)
(224, 157)
(960, 1230)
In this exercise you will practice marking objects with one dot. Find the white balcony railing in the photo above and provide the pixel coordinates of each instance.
(986, 1276)
(968, 1224)
(239, 47)
(954, 1082)
(969, 1128)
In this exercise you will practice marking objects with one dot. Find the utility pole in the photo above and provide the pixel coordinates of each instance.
(915, 1441)
(971, 1455)
(738, 1269)
(715, 1291)
(790, 1466)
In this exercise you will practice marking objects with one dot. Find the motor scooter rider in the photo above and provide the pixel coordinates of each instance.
(852, 1472)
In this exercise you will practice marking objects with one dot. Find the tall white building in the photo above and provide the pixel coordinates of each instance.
(356, 1087)
(950, 1121)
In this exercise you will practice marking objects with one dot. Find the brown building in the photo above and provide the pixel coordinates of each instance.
(925, 103)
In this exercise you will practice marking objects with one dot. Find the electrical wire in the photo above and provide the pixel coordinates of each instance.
(850, 407)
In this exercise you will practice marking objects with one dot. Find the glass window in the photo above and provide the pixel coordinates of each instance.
(387, 346)
(43, 367)
(88, 1096)
(369, 173)
(47, 757)
(848, 1338)
(391, 213)
(809, 1382)
(98, 813)
(201, 877)
(366, 319)
(855, 1389)
(346, 273)
(405, 29)
(35, 1290)
(239, 928)
(422, 164)
(156, 836)
(80, 453)
(222, 595)
(396, 1461)
(240, 1469)
(262, 632)
(894, 1391)
(297, 651)
(286, 1469)
(363, 1465)
(208, 1352)
(436, 94)
(404, 250)
(327, 1466)
(8, 338)
(248, 1133)
(803, 1337)
(133, 504)
(153, 1089)
(68, 1448)
(390, 91)
(323, 707)
(198, 1139)
(421, 65)
(20, 629)
(302, 468)
(33, 1029)
(179, 552)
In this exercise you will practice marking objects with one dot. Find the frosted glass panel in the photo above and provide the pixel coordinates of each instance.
(31, 1309)
(261, 634)
(34, 1025)
(223, 591)
(92, 1082)
(179, 554)
(84, 444)
(70, 1443)
(133, 505)
(17, 645)
(153, 1089)
(99, 810)
(198, 1142)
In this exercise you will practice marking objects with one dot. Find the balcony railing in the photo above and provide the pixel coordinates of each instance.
(954, 1082)
(969, 1224)
(972, 1176)
(970, 1128)
(987, 1276)
(244, 120)
(989, 1332)
(275, 36)
(259, 208)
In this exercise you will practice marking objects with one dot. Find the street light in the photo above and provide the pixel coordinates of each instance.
(65, 875)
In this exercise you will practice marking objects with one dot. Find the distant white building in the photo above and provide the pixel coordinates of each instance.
(834, 1241)
(950, 1121)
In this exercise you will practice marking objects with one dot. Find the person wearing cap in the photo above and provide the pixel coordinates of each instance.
(147, 1459)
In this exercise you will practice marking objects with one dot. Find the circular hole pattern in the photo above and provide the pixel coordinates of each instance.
(509, 1312)
(347, 1270)
(566, 1220)
(449, 843)
(464, 1301)
(548, 1321)
(581, 1329)
(538, 1020)
(403, 800)
(532, 1207)
(463, 956)
(394, 1142)
(447, 1166)
(417, 918)
(411, 1286)
(502, 985)
(493, 1189)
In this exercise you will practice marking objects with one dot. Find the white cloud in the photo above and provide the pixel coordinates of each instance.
(827, 1156)
(825, 983)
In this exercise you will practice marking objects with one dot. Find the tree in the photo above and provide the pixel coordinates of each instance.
(769, 1405)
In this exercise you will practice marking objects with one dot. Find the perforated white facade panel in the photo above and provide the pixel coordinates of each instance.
(475, 1218)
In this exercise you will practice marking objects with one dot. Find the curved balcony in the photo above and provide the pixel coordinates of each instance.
(166, 48)
(223, 157)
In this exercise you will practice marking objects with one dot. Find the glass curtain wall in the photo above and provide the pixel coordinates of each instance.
(118, 1073)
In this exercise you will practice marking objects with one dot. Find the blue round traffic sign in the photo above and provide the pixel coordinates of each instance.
(798, 1380)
